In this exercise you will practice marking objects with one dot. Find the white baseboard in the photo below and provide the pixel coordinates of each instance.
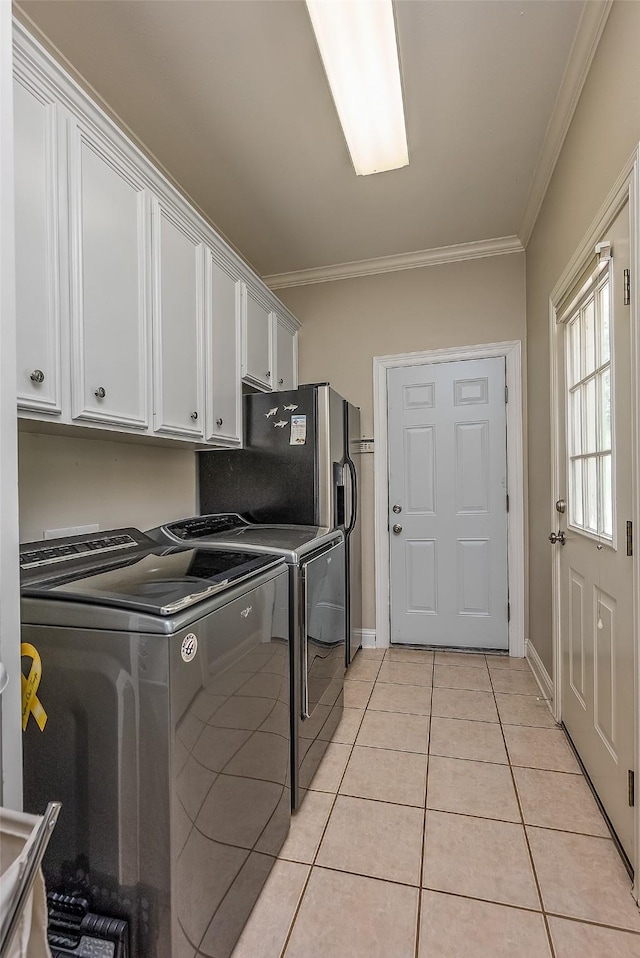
(540, 674)
(368, 637)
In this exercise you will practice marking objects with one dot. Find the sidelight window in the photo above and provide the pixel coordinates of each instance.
(589, 412)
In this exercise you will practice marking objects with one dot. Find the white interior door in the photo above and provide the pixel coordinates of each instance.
(596, 598)
(448, 504)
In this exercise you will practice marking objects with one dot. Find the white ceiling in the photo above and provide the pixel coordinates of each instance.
(231, 97)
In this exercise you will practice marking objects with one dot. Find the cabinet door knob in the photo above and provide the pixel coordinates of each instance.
(194, 415)
(281, 382)
(100, 392)
(219, 421)
(37, 376)
(268, 374)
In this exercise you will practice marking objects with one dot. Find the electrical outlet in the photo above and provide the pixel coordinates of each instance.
(85, 530)
(70, 531)
(59, 533)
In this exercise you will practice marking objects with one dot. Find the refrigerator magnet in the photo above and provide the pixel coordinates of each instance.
(298, 430)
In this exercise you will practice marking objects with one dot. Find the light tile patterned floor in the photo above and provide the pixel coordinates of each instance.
(449, 818)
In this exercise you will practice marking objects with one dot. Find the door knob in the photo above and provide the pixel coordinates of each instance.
(37, 376)
(397, 529)
(194, 415)
(219, 421)
(561, 506)
(397, 508)
(557, 537)
(100, 392)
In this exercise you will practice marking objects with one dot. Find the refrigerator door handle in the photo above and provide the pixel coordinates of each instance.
(304, 635)
(354, 495)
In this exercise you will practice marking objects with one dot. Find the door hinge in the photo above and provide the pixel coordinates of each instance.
(627, 286)
(629, 537)
(508, 612)
(506, 394)
(632, 787)
(507, 502)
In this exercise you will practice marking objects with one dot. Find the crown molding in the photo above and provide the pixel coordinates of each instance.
(390, 264)
(590, 29)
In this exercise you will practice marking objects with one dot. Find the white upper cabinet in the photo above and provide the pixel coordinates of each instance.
(133, 315)
(178, 356)
(37, 249)
(256, 350)
(223, 325)
(285, 350)
(109, 222)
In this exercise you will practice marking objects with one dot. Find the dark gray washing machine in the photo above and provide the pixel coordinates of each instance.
(316, 559)
(164, 677)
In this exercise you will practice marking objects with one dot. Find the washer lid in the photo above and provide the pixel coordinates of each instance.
(158, 582)
(229, 530)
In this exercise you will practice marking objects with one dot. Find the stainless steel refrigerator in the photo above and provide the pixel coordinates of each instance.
(299, 465)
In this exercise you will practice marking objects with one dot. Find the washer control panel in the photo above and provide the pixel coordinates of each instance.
(60, 550)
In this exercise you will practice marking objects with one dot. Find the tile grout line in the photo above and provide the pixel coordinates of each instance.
(324, 830)
(424, 819)
(524, 830)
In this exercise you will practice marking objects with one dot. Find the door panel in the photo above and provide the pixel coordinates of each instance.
(257, 359)
(422, 585)
(447, 498)
(472, 467)
(595, 573)
(419, 470)
(109, 225)
(474, 588)
(37, 251)
(223, 357)
(285, 358)
(177, 325)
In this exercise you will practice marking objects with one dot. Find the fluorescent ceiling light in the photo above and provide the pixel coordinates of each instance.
(357, 41)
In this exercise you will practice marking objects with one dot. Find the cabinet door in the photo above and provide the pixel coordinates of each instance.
(37, 250)
(109, 213)
(286, 353)
(256, 365)
(223, 339)
(177, 325)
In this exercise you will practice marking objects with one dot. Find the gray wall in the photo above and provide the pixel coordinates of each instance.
(348, 322)
(603, 134)
(74, 482)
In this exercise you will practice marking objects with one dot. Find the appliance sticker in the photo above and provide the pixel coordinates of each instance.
(272, 412)
(298, 430)
(189, 647)
(31, 704)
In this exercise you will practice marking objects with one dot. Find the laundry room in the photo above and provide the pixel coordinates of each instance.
(319, 417)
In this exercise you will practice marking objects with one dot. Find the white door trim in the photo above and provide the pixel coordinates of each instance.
(512, 352)
(10, 701)
(626, 188)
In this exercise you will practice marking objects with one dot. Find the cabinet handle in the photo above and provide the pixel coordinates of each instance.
(281, 382)
(268, 374)
(100, 392)
(37, 376)
(194, 416)
(219, 421)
